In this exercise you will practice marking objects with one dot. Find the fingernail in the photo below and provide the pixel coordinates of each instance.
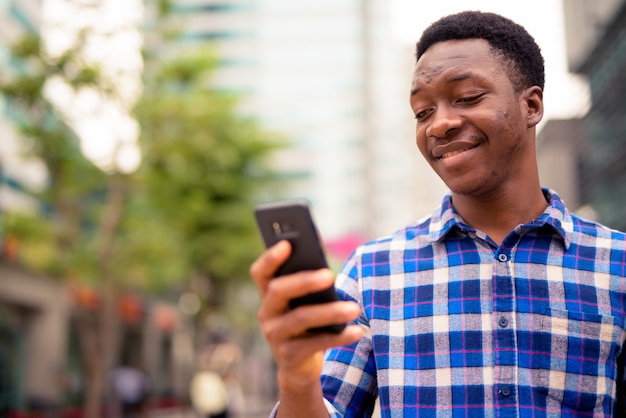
(279, 247)
(325, 274)
(354, 309)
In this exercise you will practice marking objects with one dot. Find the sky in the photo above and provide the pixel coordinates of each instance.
(108, 134)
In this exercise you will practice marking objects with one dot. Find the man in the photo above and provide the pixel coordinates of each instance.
(502, 303)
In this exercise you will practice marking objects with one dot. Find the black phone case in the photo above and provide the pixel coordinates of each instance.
(291, 220)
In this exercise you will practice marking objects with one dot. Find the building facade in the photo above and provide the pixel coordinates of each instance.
(590, 150)
(19, 176)
(33, 329)
(41, 359)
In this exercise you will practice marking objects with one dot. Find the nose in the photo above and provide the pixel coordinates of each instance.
(443, 121)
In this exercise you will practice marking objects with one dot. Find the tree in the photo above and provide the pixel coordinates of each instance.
(204, 165)
(82, 205)
(202, 168)
(185, 214)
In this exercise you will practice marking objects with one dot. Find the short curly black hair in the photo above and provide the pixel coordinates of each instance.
(522, 56)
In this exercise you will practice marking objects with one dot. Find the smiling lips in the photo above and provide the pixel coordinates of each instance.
(452, 148)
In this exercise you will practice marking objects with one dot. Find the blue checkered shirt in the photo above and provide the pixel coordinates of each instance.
(457, 326)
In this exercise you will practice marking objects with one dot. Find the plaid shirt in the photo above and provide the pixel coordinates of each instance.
(457, 326)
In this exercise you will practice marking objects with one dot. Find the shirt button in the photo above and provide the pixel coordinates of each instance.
(502, 257)
(503, 322)
(505, 391)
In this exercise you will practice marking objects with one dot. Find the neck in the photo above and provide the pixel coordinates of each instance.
(498, 215)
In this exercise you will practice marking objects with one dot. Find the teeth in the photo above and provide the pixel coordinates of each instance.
(451, 153)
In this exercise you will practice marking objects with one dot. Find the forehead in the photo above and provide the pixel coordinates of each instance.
(447, 58)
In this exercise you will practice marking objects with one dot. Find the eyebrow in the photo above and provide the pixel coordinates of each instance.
(455, 79)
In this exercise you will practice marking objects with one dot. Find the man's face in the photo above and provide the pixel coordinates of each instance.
(472, 126)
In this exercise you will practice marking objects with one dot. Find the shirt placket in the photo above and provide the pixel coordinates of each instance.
(505, 385)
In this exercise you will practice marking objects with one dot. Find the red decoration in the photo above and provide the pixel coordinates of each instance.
(10, 247)
(165, 318)
(130, 308)
(86, 298)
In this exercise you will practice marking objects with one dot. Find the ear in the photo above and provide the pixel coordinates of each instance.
(533, 101)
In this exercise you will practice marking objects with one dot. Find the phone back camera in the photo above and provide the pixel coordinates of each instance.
(282, 228)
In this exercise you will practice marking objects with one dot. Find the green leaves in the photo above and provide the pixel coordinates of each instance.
(187, 212)
(198, 160)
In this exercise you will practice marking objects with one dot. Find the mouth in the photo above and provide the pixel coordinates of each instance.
(456, 152)
(451, 149)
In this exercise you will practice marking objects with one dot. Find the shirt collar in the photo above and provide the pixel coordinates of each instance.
(446, 219)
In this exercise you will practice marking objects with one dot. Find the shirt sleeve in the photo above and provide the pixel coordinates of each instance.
(349, 374)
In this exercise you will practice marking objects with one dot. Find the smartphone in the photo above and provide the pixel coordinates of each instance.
(291, 220)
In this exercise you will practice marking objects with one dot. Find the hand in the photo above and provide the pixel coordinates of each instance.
(298, 354)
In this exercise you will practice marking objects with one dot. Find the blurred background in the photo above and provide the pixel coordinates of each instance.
(136, 137)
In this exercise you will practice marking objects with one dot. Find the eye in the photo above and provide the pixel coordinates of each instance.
(471, 99)
(421, 115)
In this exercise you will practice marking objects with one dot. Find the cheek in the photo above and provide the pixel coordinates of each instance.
(509, 121)
(421, 141)
(511, 126)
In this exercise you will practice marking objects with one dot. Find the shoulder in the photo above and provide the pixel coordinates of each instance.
(580, 232)
(596, 247)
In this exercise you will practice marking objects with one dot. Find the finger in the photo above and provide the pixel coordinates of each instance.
(280, 290)
(320, 315)
(294, 324)
(294, 352)
(264, 267)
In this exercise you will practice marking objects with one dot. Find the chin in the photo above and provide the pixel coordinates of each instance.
(470, 189)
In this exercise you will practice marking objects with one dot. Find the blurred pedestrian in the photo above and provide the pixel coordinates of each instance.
(224, 358)
(208, 394)
(131, 387)
(217, 379)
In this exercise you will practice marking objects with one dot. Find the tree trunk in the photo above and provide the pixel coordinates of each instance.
(101, 340)
(90, 348)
